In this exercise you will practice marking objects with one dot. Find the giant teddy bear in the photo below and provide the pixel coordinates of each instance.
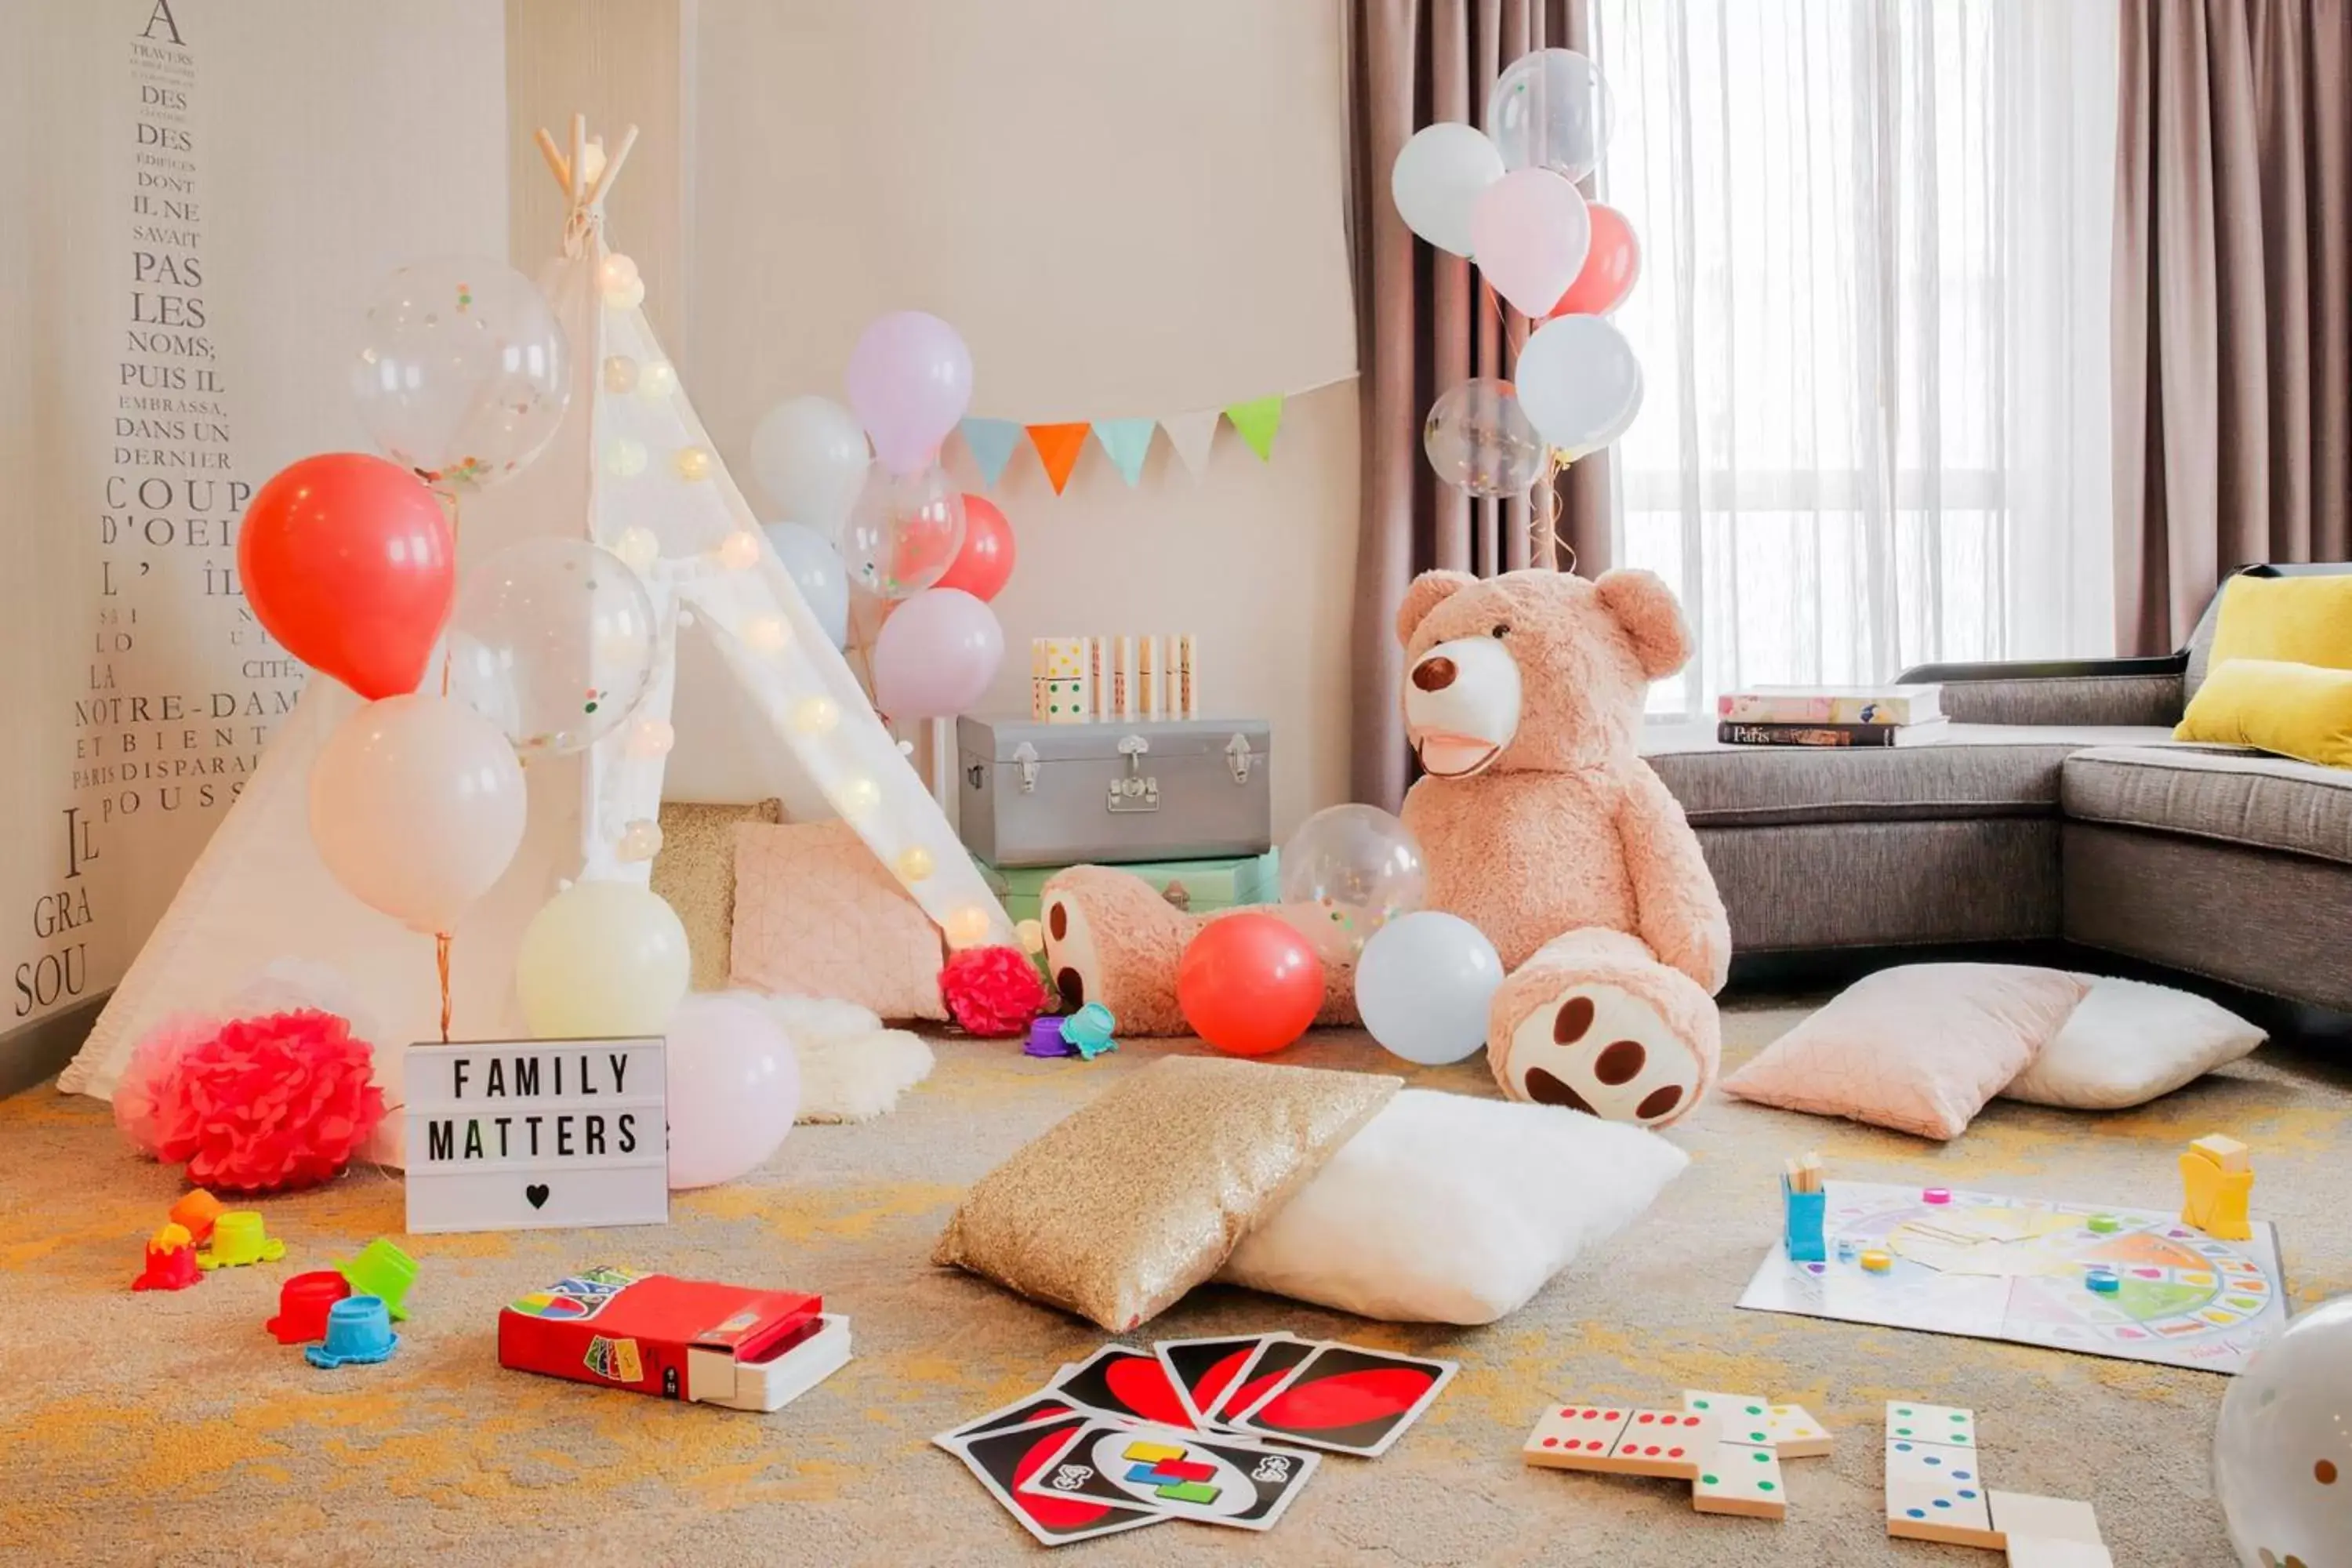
(1541, 823)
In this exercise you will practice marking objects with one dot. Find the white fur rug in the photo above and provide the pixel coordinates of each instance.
(852, 1069)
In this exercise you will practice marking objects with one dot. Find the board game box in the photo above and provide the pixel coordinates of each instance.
(1995, 1267)
(682, 1339)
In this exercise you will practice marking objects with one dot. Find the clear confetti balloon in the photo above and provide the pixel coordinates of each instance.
(553, 641)
(1480, 441)
(1361, 868)
(1550, 109)
(462, 372)
(905, 532)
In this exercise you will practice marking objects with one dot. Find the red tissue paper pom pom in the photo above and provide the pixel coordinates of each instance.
(137, 1112)
(992, 991)
(267, 1103)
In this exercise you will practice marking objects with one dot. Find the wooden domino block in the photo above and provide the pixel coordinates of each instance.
(1742, 1479)
(2048, 1532)
(1789, 1429)
(1933, 1491)
(1620, 1440)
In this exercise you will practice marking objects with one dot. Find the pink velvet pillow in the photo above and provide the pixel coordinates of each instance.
(816, 915)
(1919, 1048)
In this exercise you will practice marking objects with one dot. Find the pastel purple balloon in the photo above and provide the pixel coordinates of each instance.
(909, 381)
(936, 655)
(734, 1088)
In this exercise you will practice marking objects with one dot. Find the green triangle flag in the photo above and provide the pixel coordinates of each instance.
(1258, 420)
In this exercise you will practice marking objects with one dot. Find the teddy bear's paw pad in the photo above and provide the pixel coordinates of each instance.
(1071, 956)
(1605, 1052)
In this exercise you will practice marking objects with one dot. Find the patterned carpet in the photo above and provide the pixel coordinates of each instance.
(170, 1429)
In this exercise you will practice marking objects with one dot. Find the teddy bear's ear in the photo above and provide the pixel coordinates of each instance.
(1425, 593)
(1647, 608)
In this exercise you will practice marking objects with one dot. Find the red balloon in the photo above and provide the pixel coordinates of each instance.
(986, 559)
(348, 562)
(1249, 984)
(1610, 266)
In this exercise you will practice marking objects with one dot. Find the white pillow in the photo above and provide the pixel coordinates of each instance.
(1445, 1209)
(2128, 1042)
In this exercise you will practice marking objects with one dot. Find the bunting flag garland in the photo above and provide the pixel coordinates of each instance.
(990, 443)
(1127, 442)
(1058, 447)
(1256, 421)
(1192, 435)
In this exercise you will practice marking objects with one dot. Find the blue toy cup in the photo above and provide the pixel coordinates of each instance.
(1803, 1215)
(359, 1333)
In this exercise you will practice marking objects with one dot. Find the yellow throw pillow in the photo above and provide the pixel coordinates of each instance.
(2300, 620)
(2295, 709)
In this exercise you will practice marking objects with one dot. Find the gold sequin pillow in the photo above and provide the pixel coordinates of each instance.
(695, 875)
(1120, 1209)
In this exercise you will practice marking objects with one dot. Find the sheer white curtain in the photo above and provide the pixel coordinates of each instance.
(1873, 321)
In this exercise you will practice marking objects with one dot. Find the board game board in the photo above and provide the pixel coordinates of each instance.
(1997, 1267)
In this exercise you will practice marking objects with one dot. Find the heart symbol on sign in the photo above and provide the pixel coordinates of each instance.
(537, 1193)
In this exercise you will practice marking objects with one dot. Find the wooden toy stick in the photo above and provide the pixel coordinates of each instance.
(555, 164)
(613, 165)
(579, 155)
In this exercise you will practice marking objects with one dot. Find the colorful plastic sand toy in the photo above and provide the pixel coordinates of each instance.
(359, 1333)
(382, 1269)
(238, 1238)
(194, 1212)
(1089, 1030)
(170, 1261)
(1046, 1039)
(303, 1303)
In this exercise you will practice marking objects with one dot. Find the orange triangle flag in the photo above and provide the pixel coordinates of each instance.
(1058, 447)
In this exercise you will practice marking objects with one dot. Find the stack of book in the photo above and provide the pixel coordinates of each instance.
(1830, 716)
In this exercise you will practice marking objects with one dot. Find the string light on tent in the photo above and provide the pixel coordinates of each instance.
(651, 738)
(740, 550)
(591, 163)
(914, 863)
(617, 276)
(693, 463)
(1031, 935)
(767, 634)
(624, 457)
(641, 841)
(620, 374)
(656, 381)
(857, 799)
(638, 549)
(815, 715)
(967, 927)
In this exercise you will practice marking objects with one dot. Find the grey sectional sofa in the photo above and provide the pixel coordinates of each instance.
(2055, 806)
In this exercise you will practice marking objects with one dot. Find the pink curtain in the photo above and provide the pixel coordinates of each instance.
(1426, 323)
(2233, 300)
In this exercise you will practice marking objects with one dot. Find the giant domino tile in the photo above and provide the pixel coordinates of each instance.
(1936, 1491)
(1727, 1446)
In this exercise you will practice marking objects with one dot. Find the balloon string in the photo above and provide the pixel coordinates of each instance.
(441, 961)
(1546, 531)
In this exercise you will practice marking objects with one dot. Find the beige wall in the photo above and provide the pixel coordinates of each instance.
(1128, 210)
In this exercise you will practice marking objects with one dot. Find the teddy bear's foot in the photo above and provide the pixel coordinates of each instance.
(1593, 1022)
(1111, 938)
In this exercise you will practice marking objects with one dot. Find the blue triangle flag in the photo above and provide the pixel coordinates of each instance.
(990, 443)
(1128, 442)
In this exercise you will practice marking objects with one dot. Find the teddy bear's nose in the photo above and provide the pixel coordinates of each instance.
(1433, 674)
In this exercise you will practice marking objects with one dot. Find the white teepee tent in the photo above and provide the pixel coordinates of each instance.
(765, 706)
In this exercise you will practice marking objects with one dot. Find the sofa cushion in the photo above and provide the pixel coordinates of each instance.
(1971, 770)
(2236, 796)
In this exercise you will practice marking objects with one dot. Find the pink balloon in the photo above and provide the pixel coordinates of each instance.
(1611, 266)
(734, 1086)
(936, 655)
(909, 381)
(1530, 231)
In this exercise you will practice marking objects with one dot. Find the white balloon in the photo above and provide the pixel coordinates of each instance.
(818, 571)
(1550, 109)
(811, 458)
(417, 806)
(1423, 986)
(1437, 178)
(1578, 382)
(2282, 1448)
(1609, 438)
